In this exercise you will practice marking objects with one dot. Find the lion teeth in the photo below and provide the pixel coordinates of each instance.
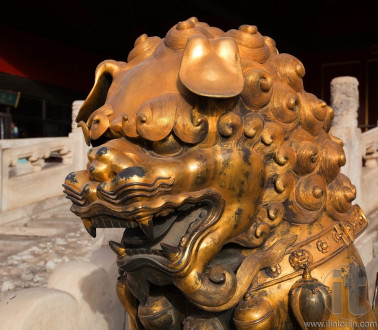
(170, 251)
(89, 227)
(117, 248)
(130, 252)
(147, 227)
(133, 252)
(129, 224)
(157, 252)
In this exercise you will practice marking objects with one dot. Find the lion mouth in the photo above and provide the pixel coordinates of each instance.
(171, 232)
(158, 228)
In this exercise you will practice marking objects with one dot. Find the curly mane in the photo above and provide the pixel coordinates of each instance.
(272, 115)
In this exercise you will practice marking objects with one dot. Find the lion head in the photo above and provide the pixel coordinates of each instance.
(204, 144)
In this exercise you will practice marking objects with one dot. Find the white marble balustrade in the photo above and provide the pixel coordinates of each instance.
(22, 188)
(28, 179)
(370, 147)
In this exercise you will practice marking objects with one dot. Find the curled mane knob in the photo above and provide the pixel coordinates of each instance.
(342, 193)
(257, 86)
(253, 125)
(307, 158)
(311, 192)
(229, 124)
(251, 43)
(272, 137)
(275, 213)
(155, 118)
(284, 183)
(285, 156)
(143, 48)
(284, 106)
(271, 44)
(98, 122)
(307, 151)
(177, 35)
(332, 158)
(290, 70)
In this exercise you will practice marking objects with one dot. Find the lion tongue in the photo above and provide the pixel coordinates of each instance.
(147, 227)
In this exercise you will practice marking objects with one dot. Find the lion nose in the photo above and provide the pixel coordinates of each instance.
(105, 163)
(124, 185)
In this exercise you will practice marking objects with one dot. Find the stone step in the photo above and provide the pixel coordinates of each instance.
(43, 209)
(12, 244)
(30, 250)
(28, 231)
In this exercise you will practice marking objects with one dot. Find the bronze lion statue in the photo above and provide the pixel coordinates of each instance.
(209, 152)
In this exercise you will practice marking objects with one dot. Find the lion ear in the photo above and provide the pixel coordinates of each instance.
(211, 67)
(103, 79)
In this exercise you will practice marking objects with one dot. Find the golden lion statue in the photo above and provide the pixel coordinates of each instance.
(208, 151)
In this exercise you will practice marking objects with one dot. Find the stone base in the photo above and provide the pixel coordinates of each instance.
(80, 295)
(38, 309)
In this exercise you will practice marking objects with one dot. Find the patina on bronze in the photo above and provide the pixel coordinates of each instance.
(218, 164)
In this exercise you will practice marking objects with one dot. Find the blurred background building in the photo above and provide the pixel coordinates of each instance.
(48, 52)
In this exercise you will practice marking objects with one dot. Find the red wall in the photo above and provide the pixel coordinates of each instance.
(30, 56)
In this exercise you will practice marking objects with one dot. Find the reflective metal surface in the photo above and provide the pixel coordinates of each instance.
(209, 152)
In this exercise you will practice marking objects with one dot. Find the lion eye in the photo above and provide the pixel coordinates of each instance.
(168, 146)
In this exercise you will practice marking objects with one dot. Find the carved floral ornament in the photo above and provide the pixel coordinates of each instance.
(322, 246)
(209, 153)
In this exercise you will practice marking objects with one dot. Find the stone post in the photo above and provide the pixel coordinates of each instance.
(76, 105)
(80, 148)
(345, 102)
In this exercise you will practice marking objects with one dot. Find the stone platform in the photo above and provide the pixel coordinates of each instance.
(53, 275)
(30, 252)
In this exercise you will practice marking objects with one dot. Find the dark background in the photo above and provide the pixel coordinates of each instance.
(50, 49)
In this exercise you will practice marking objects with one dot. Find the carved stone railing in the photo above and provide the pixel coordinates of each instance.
(19, 188)
(79, 294)
(370, 147)
(361, 151)
(28, 177)
(367, 245)
(369, 173)
(345, 102)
